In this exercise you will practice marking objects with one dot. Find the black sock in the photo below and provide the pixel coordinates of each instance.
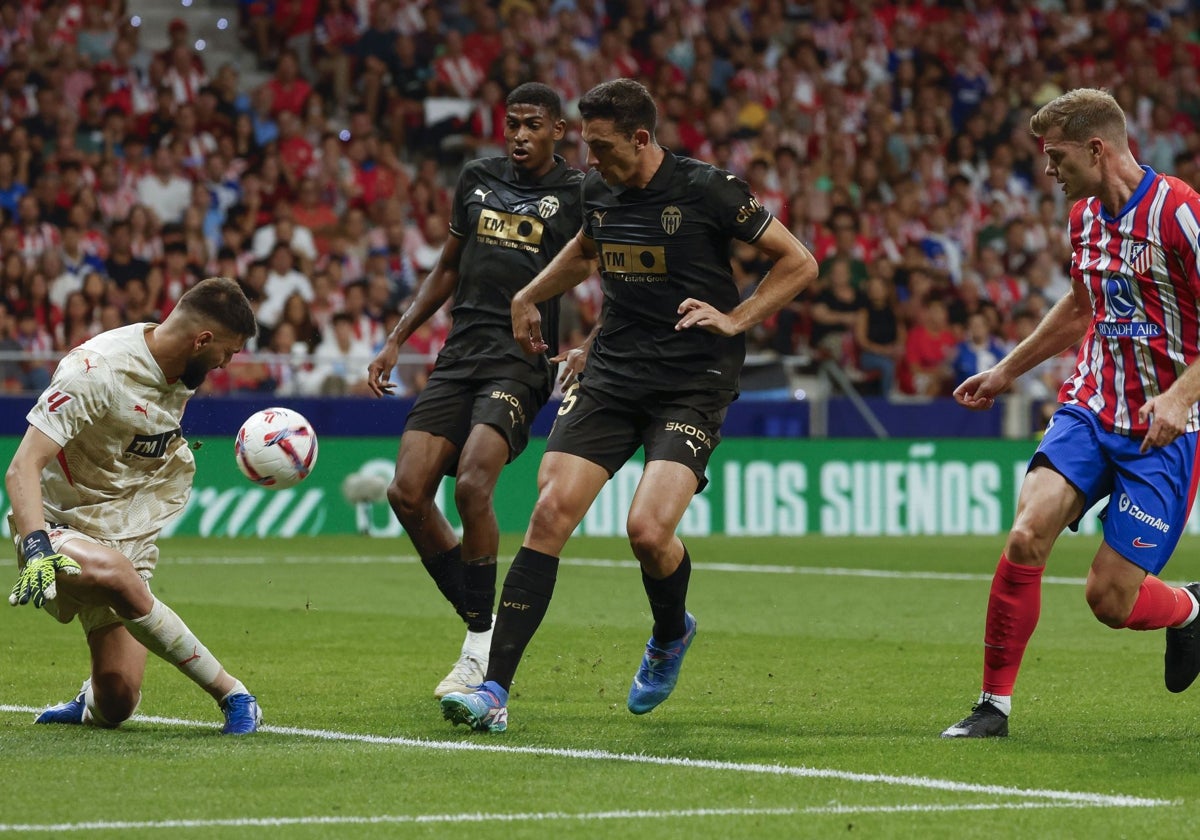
(668, 599)
(479, 593)
(446, 569)
(523, 603)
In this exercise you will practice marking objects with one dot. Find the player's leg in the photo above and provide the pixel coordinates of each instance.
(567, 485)
(663, 494)
(434, 434)
(109, 696)
(108, 578)
(118, 667)
(501, 415)
(483, 457)
(1047, 504)
(1070, 472)
(1151, 499)
(591, 439)
(422, 462)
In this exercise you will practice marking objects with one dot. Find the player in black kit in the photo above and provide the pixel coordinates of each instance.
(511, 215)
(659, 375)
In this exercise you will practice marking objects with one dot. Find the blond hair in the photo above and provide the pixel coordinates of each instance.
(1081, 114)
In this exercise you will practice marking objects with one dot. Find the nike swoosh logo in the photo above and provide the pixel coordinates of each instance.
(1137, 543)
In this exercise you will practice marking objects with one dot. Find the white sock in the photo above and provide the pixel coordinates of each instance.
(166, 636)
(479, 645)
(238, 688)
(1003, 702)
(1195, 610)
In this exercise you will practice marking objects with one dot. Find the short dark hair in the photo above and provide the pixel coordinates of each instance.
(626, 102)
(538, 95)
(220, 300)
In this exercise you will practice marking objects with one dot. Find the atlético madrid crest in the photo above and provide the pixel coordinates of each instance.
(671, 219)
(548, 206)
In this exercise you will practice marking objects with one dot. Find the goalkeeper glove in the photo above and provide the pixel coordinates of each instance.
(37, 580)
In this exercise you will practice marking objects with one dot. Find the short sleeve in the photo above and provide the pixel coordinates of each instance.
(79, 395)
(739, 213)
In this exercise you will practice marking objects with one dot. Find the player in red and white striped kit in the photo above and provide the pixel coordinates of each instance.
(1127, 429)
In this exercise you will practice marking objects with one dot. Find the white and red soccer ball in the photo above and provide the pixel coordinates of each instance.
(276, 448)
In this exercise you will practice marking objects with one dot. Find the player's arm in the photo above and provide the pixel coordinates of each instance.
(1063, 326)
(431, 294)
(575, 358)
(23, 481)
(570, 267)
(1168, 412)
(792, 269)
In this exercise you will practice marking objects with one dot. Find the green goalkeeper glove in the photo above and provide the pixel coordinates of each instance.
(37, 581)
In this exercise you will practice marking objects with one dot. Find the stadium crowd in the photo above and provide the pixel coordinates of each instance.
(891, 137)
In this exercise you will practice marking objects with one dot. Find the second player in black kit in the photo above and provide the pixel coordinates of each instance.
(510, 216)
(659, 376)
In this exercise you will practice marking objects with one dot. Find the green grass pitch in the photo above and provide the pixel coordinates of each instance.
(809, 706)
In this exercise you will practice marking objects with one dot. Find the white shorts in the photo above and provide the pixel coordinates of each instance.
(141, 552)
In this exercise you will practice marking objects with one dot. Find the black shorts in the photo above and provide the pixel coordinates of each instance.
(679, 426)
(450, 408)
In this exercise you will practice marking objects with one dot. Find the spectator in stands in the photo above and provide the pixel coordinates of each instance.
(979, 349)
(928, 352)
(294, 22)
(339, 362)
(164, 190)
(282, 280)
(334, 36)
(299, 319)
(284, 230)
(145, 239)
(848, 245)
(880, 334)
(122, 264)
(835, 312)
(287, 89)
(177, 276)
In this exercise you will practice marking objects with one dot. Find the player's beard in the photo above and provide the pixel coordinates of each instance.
(194, 373)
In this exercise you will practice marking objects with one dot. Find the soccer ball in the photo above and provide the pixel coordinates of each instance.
(276, 448)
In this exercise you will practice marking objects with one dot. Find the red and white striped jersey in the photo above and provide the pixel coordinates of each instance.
(1140, 269)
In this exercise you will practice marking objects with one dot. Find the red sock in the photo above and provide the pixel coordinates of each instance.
(1158, 605)
(1014, 605)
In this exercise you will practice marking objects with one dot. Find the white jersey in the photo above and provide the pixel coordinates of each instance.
(125, 469)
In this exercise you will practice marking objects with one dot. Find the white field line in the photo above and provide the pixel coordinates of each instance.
(545, 816)
(477, 745)
(604, 563)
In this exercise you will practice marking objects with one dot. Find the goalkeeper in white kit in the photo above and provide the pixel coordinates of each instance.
(103, 466)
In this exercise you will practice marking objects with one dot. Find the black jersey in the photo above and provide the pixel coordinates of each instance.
(510, 229)
(657, 247)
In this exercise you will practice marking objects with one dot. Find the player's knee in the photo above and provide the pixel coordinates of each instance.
(114, 699)
(1025, 546)
(472, 492)
(406, 501)
(111, 573)
(647, 537)
(549, 519)
(1109, 609)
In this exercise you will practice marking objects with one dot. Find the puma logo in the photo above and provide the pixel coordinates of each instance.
(195, 655)
(87, 365)
(141, 410)
(694, 447)
(483, 194)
